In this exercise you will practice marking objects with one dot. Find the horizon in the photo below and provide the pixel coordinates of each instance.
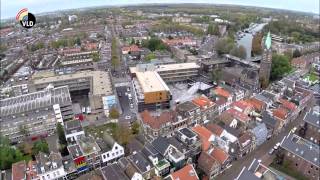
(9, 9)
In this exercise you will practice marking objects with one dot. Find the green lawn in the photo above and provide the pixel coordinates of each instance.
(285, 168)
(97, 131)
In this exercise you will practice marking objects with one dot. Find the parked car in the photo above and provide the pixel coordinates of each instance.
(271, 151)
(127, 117)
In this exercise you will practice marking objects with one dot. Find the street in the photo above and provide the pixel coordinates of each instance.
(261, 152)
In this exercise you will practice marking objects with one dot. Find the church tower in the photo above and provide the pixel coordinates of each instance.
(266, 61)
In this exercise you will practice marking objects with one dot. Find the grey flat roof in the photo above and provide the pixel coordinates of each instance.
(313, 119)
(187, 132)
(302, 148)
(113, 172)
(34, 101)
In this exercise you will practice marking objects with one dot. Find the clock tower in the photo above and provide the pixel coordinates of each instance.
(266, 61)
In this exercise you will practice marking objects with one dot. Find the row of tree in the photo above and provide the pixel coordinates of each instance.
(115, 61)
(227, 46)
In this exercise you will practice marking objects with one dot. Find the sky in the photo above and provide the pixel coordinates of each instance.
(9, 8)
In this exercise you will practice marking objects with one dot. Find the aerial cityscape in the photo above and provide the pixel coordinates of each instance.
(158, 90)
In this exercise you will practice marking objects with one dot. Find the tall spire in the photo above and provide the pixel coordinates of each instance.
(268, 41)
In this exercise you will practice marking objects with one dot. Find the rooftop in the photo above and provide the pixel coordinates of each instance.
(113, 172)
(150, 81)
(176, 67)
(187, 173)
(35, 101)
(301, 147)
(100, 80)
(19, 170)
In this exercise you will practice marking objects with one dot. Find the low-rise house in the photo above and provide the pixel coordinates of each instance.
(73, 130)
(207, 107)
(223, 98)
(281, 114)
(257, 104)
(260, 133)
(187, 172)
(225, 140)
(49, 166)
(273, 125)
(311, 128)
(208, 165)
(85, 153)
(303, 155)
(220, 155)
(132, 50)
(162, 166)
(246, 144)
(142, 165)
(110, 149)
(189, 114)
(257, 171)
(113, 172)
(170, 152)
(205, 135)
(243, 107)
(19, 170)
(191, 141)
(155, 126)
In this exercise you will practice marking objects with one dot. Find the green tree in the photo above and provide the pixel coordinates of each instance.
(40, 146)
(95, 56)
(149, 57)
(216, 75)
(122, 134)
(239, 52)
(153, 44)
(256, 44)
(280, 66)
(61, 135)
(23, 130)
(224, 45)
(135, 127)
(132, 41)
(296, 53)
(9, 155)
(114, 113)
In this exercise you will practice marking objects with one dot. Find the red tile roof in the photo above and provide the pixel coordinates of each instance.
(206, 162)
(287, 104)
(204, 135)
(91, 46)
(156, 122)
(203, 102)
(132, 48)
(219, 155)
(202, 131)
(222, 92)
(19, 170)
(238, 115)
(186, 173)
(215, 129)
(257, 104)
(280, 113)
(243, 105)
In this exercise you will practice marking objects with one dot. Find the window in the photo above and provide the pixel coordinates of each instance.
(107, 154)
(116, 147)
(296, 164)
(104, 156)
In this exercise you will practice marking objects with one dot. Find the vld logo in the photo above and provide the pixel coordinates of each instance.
(26, 19)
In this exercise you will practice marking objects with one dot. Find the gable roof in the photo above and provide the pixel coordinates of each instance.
(19, 170)
(161, 144)
(287, 104)
(222, 92)
(238, 115)
(256, 103)
(206, 162)
(186, 173)
(156, 122)
(219, 155)
(203, 102)
(280, 113)
(202, 131)
(215, 129)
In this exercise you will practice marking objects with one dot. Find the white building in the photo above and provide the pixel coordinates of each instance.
(50, 167)
(110, 149)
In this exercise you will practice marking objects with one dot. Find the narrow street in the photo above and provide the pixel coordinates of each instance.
(261, 152)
